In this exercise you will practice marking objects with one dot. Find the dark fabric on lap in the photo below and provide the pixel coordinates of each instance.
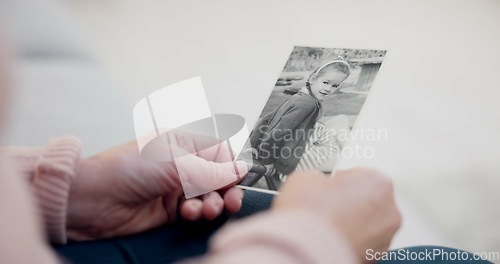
(165, 244)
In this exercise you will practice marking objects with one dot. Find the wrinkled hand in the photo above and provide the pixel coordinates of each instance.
(359, 203)
(118, 192)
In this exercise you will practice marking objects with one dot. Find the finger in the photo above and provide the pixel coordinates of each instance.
(191, 209)
(183, 140)
(219, 152)
(358, 173)
(156, 180)
(212, 205)
(225, 153)
(201, 145)
(233, 199)
(199, 176)
(169, 204)
(208, 148)
(196, 144)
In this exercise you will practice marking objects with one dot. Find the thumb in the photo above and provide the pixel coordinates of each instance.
(199, 176)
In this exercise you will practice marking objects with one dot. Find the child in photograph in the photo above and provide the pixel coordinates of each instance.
(280, 137)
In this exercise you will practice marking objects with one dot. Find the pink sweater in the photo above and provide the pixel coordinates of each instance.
(273, 237)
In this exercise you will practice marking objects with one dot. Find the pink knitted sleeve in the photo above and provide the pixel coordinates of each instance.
(50, 170)
(280, 237)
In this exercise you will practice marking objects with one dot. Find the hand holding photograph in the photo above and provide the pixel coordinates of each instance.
(309, 114)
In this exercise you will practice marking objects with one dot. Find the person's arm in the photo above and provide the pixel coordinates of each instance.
(315, 219)
(21, 239)
(64, 186)
(291, 236)
(74, 195)
(50, 170)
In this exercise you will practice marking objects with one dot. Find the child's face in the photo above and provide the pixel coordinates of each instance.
(327, 82)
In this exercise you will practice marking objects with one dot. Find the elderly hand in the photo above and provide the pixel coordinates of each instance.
(118, 192)
(359, 203)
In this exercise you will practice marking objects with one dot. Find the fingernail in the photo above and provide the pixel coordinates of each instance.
(216, 205)
(196, 206)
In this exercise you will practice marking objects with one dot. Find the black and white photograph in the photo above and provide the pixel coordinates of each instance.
(306, 121)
